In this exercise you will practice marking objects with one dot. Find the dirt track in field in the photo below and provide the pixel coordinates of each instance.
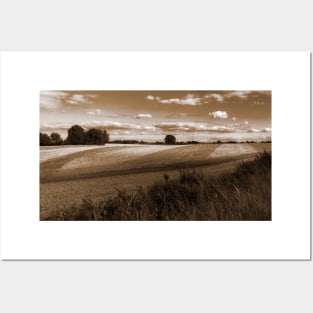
(67, 174)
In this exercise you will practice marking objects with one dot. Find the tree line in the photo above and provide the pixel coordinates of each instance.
(76, 136)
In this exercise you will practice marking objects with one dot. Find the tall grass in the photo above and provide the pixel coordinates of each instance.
(239, 196)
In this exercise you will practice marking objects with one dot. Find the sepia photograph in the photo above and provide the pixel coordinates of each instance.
(155, 155)
(184, 156)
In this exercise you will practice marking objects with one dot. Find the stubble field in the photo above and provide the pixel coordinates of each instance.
(70, 173)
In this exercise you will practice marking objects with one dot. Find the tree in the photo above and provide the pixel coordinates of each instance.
(76, 135)
(94, 137)
(170, 140)
(106, 136)
(44, 140)
(56, 139)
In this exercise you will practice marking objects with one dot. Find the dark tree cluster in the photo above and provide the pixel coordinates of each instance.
(56, 139)
(96, 137)
(52, 140)
(76, 136)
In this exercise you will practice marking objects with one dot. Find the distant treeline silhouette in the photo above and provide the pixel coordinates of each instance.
(76, 136)
(142, 142)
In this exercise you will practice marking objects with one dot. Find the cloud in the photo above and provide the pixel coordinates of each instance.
(56, 125)
(148, 127)
(177, 115)
(53, 93)
(143, 115)
(187, 126)
(81, 99)
(216, 96)
(219, 114)
(97, 112)
(257, 103)
(267, 129)
(51, 99)
(78, 98)
(157, 128)
(238, 93)
(190, 99)
(169, 101)
(222, 129)
(192, 127)
(253, 130)
(108, 124)
(151, 98)
(111, 125)
(260, 93)
(54, 99)
(230, 95)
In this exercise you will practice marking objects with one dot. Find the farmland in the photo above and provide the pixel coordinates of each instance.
(70, 173)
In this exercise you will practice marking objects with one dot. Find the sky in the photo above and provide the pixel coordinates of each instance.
(149, 115)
